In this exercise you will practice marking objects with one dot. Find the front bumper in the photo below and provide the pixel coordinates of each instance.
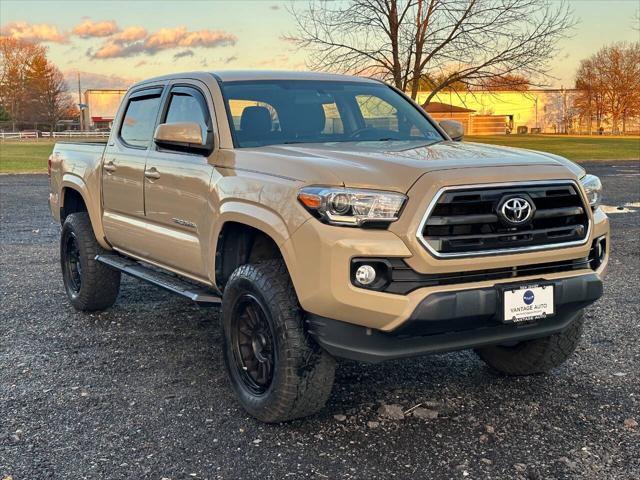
(450, 321)
(319, 259)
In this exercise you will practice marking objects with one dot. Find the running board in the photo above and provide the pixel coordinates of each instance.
(199, 294)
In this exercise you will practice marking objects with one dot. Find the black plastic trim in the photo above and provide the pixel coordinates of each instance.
(453, 321)
(399, 278)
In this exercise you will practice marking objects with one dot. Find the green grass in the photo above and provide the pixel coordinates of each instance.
(30, 156)
(573, 148)
(25, 156)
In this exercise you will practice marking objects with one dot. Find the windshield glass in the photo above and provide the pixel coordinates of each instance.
(271, 112)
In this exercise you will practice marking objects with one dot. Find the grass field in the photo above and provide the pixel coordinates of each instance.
(573, 148)
(23, 157)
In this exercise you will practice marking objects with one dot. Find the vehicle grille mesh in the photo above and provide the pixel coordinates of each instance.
(467, 221)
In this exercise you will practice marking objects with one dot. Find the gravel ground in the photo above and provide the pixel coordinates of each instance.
(139, 391)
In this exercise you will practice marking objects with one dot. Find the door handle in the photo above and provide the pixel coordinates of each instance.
(152, 174)
(109, 166)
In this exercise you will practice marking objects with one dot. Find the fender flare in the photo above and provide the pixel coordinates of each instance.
(73, 182)
(255, 216)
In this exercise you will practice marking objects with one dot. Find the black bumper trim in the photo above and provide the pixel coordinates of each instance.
(466, 320)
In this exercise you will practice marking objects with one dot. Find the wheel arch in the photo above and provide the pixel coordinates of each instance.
(239, 243)
(246, 233)
(75, 197)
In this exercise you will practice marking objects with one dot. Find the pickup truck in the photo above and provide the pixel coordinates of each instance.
(329, 217)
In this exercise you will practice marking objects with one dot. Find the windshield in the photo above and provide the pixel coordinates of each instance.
(271, 112)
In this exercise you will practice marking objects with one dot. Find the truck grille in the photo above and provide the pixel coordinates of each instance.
(475, 221)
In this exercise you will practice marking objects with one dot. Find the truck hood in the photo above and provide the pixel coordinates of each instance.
(392, 165)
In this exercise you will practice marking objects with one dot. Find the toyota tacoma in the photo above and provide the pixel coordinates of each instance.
(329, 217)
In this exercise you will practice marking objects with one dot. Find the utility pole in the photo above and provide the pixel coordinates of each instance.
(80, 105)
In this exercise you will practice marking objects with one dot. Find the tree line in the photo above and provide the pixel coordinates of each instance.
(608, 84)
(32, 89)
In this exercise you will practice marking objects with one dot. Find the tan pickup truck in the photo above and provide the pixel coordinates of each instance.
(330, 217)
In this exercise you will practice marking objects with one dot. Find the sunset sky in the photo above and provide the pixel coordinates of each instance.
(113, 43)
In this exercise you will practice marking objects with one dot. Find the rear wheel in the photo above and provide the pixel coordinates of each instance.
(534, 356)
(89, 284)
(276, 370)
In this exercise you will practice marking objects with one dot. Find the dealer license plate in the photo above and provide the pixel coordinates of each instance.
(525, 303)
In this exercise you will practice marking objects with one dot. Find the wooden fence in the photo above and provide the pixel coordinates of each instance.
(33, 135)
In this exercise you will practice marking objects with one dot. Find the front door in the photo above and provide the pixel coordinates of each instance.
(176, 189)
(123, 170)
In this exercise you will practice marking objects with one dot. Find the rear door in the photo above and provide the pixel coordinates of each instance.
(123, 170)
(176, 186)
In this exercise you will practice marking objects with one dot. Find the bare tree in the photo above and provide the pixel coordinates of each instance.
(441, 42)
(507, 82)
(49, 101)
(609, 85)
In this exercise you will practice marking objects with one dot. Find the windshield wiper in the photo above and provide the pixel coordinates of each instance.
(427, 144)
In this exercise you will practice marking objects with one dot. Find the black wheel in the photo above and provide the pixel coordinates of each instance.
(276, 370)
(252, 343)
(534, 356)
(89, 284)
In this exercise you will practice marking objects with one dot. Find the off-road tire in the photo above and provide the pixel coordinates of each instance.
(302, 372)
(534, 356)
(99, 284)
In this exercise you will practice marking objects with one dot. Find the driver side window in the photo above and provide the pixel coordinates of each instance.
(188, 105)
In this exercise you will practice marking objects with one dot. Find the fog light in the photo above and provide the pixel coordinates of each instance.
(598, 252)
(365, 274)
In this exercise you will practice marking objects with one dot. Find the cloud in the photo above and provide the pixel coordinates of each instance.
(230, 59)
(274, 7)
(179, 37)
(117, 50)
(36, 33)
(129, 34)
(133, 41)
(185, 53)
(89, 28)
(90, 80)
(108, 50)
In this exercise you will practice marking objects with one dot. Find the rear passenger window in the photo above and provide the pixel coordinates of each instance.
(140, 120)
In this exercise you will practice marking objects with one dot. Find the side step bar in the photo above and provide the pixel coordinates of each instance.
(199, 294)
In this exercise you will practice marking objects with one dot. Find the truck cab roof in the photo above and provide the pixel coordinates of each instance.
(252, 75)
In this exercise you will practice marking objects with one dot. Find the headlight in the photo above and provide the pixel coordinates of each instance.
(593, 189)
(350, 207)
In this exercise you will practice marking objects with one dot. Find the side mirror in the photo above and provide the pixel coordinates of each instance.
(181, 136)
(453, 128)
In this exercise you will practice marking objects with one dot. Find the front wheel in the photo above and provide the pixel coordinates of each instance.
(534, 356)
(276, 370)
(89, 284)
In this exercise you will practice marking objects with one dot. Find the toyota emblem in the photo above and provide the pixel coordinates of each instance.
(516, 210)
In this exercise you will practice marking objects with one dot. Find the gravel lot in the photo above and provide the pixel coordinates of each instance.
(139, 391)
